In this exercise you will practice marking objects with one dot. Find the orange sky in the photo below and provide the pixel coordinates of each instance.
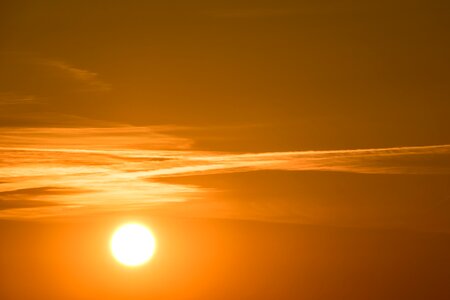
(279, 149)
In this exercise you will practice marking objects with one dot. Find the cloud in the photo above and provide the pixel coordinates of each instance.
(17, 99)
(92, 170)
(43, 119)
(30, 197)
(49, 79)
(14, 204)
(89, 78)
(86, 138)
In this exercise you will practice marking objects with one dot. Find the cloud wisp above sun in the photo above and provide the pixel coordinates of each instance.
(90, 78)
(72, 171)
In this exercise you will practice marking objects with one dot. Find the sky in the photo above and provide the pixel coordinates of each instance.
(278, 149)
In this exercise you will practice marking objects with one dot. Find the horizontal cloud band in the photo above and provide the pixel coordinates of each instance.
(62, 172)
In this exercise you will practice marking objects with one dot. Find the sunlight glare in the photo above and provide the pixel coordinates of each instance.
(133, 244)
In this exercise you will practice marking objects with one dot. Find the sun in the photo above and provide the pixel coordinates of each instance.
(133, 244)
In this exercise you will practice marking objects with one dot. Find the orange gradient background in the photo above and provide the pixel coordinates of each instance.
(276, 149)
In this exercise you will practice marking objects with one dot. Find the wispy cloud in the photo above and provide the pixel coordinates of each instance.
(91, 79)
(88, 138)
(17, 99)
(89, 170)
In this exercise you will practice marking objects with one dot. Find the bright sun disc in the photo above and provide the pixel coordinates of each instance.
(133, 244)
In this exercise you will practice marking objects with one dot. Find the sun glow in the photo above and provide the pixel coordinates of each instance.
(133, 244)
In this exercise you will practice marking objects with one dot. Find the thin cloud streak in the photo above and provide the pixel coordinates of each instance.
(96, 170)
(14, 99)
(89, 138)
(91, 79)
